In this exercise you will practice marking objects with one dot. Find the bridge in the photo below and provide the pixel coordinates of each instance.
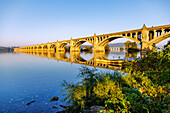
(98, 60)
(146, 37)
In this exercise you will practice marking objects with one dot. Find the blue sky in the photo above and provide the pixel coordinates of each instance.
(27, 22)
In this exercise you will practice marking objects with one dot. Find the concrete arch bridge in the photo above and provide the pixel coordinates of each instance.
(144, 36)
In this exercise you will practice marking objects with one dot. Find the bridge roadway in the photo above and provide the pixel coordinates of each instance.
(98, 59)
(146, 37)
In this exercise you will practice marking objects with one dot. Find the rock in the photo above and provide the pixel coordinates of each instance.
(89, 111)
(63, 106)
(93, 109)
(54, 107)
(54, 99)
(30, 102)
(61, 112)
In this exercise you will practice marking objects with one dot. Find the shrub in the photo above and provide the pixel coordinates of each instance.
(144, 89)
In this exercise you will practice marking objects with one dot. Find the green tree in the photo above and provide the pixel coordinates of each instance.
(88, 48)
(127, 44)
(145, 87)
(130, 45)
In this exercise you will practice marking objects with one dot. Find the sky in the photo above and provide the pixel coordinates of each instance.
(28, 22)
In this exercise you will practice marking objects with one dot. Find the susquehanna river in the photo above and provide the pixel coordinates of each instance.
(25, 77)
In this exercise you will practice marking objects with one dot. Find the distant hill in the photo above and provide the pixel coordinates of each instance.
(6, 49)
(2, 47)
(117, 45)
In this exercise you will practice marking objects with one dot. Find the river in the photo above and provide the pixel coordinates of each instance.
(29, 76)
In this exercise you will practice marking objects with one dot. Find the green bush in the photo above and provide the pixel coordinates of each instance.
(144, 89)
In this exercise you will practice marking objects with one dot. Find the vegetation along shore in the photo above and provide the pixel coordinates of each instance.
(143, 88)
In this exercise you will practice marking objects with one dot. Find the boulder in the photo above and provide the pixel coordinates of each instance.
(54, 99)
(63, 106)
(54, 107)
(93, 109)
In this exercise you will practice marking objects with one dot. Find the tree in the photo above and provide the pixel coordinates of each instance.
(130, 45)
(134, 45)
(121, 48)
(127, 44)
(86, 48)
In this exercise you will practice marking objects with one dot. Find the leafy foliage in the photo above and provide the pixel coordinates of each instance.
(87, 48)
(130, 45)
(144, 89)
(154, 61)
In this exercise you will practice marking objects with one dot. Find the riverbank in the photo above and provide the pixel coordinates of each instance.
(144, 89)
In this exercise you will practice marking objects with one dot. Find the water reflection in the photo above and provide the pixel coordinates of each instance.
(19, 72)
(98, 60)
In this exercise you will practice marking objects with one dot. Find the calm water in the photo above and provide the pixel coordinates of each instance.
(25, 77)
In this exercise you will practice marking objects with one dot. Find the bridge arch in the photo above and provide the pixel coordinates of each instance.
(39, 47)
(45, 47)
(111, 38)
(63, 44)
(35, 47)
(52, 47)
(159, 38)
(78, 43)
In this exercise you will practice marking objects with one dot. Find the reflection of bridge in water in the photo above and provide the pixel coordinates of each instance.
(98, 60)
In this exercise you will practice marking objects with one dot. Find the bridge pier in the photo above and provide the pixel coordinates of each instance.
(51, 49)
(98, 55)
(145, 38)
(74, 49)
(144, 46)
(99, 49)
(60, 49)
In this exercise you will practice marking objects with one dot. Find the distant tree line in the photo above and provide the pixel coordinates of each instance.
(7, 49)
(87, 48)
